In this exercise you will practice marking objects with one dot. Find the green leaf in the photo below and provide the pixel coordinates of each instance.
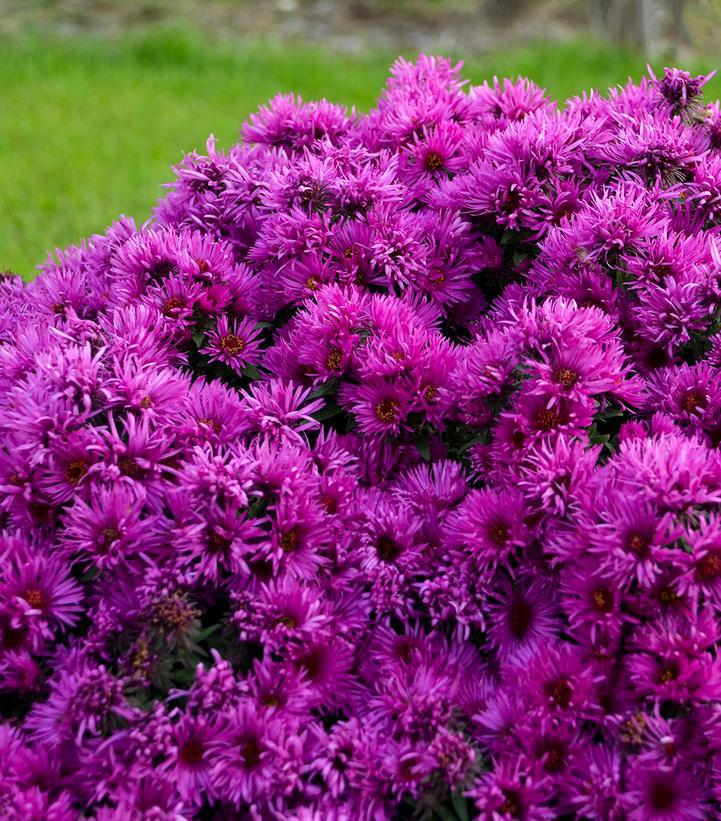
(519, 255)
(469, 444)
(328, 412)
(251, 372)
(423, 444)
(460, 805)
(324, 389)
(204, 634)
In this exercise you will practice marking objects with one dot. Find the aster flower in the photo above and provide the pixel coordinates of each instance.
(378, 473)
(490, 525)
(85, 699)
(110, 528)
(553, 680)
(507, 100)
(591, 602)
(279, 688)
(595, 788)
(379, 407)
(671, 662)
(507, 791)
(135, 458)
(682, 92)
(190, 763)
(523, 617)
(38, 590)
(283, 614)
(664, 793)
(235, 343)
(245, 754)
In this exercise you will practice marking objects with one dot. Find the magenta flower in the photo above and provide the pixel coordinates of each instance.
(235, 343)
(378, 473)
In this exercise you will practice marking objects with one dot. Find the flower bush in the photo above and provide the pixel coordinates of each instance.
(378, 473)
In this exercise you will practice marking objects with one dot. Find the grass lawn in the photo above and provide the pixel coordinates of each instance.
(90, 127)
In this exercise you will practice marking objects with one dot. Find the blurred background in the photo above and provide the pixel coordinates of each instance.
(99, 97)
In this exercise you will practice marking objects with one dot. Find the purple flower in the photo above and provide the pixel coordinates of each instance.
(86, 700)
(233, 343)
(378, 473)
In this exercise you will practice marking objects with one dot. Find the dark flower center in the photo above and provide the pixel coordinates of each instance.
(41, 512)
(386, 411)
(329, 503)
(433, 161)
(692, 400)
(250, 751)
(130, 468)
(334, 359)
(388, 549)
(546, 419)
(669, 671)
(232, 344)
(638, 544)
(217, 543)
(404, 650)
(161, 269)
(173, 612)
(213, 424)
(192, 752)
(312, 663)
(512, 804)
(35, 598)
(662, 795)
(708, 568)
(555, 755)
(498, 533)
(289, 540)
(173, 305)
(109, 535)
(559, 692)
(602, 599)
(565, 377)
(667, 594)
(661, 270)
(520, 616)
(75, 471)
(431, 394)
(511, 202)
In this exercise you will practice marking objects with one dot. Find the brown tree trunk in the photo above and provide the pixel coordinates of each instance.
(624, 22)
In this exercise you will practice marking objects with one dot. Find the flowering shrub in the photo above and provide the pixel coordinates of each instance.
(378, 473)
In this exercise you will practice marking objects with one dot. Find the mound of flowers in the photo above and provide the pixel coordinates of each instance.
(378, 474)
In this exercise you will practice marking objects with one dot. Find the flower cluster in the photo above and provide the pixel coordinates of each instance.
(378, 473)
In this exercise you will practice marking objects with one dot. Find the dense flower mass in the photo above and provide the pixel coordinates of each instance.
(378, 473)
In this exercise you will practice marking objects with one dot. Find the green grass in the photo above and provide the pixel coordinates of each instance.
(89, 127)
